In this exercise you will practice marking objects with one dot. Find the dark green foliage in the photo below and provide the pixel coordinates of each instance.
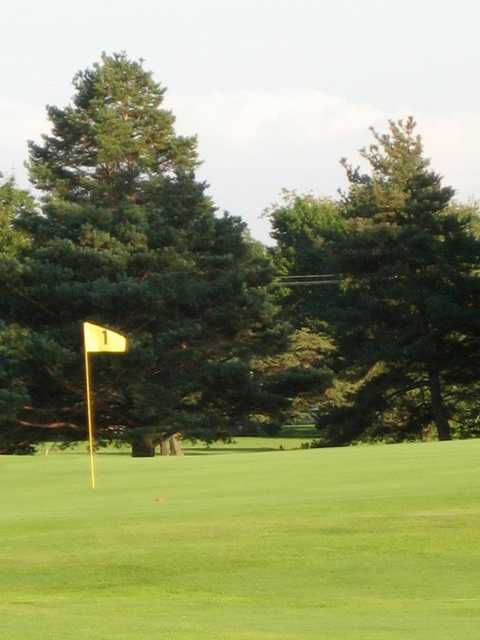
(304, 226)
(13, 392)
(114, 143)
(401, 311)
(301, 224)
(13, 339)
(407, 323)
(128, 238)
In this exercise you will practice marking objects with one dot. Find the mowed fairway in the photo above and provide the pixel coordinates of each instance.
(358, 543)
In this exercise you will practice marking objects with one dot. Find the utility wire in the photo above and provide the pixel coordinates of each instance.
(308, 281)
(313, 276)
(304, 283)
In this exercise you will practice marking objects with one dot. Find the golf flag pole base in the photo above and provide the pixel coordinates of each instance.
(97, 340)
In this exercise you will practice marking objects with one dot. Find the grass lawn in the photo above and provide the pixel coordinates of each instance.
(364, 543)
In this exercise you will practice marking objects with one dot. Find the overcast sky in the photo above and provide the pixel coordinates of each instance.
(277, 90)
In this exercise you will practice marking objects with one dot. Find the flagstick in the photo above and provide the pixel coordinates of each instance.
(89, 419)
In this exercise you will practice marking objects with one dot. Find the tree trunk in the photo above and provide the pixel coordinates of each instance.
(164, 447)
(438, 407)
(143, 448)
(175, 446)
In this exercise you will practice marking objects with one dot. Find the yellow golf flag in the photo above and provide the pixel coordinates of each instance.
(98, 339)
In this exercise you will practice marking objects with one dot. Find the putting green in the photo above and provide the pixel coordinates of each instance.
(363, 543)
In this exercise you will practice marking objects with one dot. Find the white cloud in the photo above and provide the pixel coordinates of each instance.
(245, 118)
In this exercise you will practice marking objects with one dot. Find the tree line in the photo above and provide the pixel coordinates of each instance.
(364, 314)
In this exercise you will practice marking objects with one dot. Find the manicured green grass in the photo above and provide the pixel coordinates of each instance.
(365, 543)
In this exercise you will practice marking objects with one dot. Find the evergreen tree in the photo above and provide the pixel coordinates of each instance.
(408, 320)
(13, 338)
(128, 238)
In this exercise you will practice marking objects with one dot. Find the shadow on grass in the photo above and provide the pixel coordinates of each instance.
(196, 451)
(113, 453)
(298, 431)
(201, 451)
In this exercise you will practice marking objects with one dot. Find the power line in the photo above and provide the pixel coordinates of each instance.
(320, 275)
(307, 281)
(305, 284)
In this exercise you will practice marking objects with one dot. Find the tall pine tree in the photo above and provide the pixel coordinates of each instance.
(408, 320)
(127, 238)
